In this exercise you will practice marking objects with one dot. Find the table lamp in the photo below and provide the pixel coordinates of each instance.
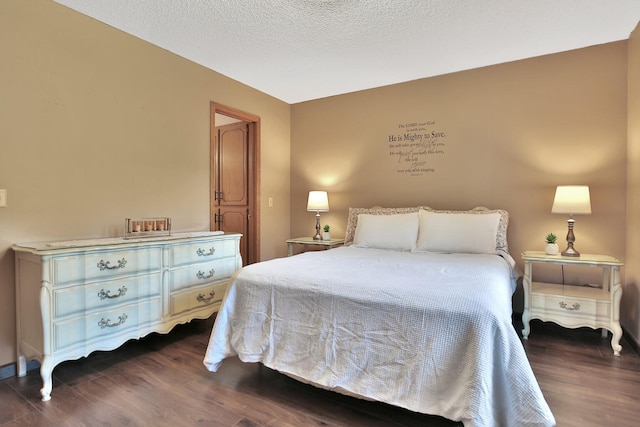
(319, 202)
(572, 200)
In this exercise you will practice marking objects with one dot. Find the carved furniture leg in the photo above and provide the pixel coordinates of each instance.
(45, 372)
(615, 339)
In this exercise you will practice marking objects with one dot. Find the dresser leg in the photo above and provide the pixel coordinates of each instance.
(45, 373)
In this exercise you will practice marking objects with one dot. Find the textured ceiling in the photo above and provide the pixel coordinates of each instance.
(298, 50)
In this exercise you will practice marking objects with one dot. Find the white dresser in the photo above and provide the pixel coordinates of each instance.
(79, 296)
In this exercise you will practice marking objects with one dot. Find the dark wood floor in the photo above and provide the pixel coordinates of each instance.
(160, 381)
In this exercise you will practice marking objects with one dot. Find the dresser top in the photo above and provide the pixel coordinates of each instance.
(117, 242)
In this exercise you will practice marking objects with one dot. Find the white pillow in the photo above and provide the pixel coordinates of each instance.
(397, 231)
(457, 232)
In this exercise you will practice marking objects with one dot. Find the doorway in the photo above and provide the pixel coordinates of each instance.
(235, 167)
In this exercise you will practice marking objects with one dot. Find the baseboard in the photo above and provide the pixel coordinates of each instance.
(632, 341)
(10, 370)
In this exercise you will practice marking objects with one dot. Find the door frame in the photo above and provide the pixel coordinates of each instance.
(254, 168)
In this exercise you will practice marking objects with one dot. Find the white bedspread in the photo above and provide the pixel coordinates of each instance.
(428, 332)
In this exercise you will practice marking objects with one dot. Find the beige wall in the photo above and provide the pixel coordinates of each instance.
(631, 294)
(97, 126)
(513, 132)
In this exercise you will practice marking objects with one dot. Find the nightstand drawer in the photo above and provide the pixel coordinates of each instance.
(564, 305)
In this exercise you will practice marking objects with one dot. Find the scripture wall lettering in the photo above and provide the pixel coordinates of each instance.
(414, 144)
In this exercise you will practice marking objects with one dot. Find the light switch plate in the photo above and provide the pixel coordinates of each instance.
(3, 198)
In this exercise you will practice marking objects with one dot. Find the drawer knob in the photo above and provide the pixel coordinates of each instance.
(107, 294)
(202, 252)
(102, 265)
(106, 323)
(202, 298)
(574, 306)
(203, 276)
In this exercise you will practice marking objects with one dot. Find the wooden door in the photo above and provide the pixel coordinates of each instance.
(235, 177)
(233, 197)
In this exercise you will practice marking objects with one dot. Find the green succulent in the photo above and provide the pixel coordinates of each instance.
(326, 228)
(551, 238)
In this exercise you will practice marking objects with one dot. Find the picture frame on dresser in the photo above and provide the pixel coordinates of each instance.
(97, 294)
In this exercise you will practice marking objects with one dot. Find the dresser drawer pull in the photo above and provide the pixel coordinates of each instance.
(105, 323)
(105, 265)
(202, 252)
(107, 294)
(574, 306)
(202, 298)
(201, 275)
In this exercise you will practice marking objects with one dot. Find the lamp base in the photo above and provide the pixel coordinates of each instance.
(570, 251)
(317, 236)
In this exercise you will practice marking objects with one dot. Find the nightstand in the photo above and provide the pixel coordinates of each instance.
(574, 306)
(308, 241)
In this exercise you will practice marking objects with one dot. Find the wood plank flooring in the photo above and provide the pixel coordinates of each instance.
(160, 381)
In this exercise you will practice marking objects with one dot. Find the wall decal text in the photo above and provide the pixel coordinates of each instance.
(413, 144)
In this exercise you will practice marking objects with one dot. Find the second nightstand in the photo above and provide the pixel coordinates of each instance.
(308, 241)
(574, 306)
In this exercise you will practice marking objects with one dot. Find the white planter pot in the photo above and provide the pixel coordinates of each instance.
(326, 235)
(551, 249)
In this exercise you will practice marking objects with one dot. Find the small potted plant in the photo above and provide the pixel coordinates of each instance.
(326, 235)
(551, 248)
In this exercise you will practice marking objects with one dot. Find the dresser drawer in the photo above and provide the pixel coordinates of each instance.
(204, 251)
(105, 265)
(201, 274)
(104, 324)
(203, 296)
(76, 300)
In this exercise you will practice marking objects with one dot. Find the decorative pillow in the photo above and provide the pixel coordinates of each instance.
(501, 236)
(459, 231)
(352, 220)
(397, 232)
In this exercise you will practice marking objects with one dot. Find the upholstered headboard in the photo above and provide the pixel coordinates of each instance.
(448, 220)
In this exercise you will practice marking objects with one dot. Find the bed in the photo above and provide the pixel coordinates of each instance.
(414, 311)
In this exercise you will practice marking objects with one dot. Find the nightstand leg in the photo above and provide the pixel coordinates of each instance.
(616, 295)
(525, 324)
(526, 284)
(615, 340)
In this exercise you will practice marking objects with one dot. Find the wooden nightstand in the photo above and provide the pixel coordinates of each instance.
(574, 306)
(308, 241)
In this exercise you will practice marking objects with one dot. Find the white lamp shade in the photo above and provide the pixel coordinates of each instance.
(572, 199)
(318, 201)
